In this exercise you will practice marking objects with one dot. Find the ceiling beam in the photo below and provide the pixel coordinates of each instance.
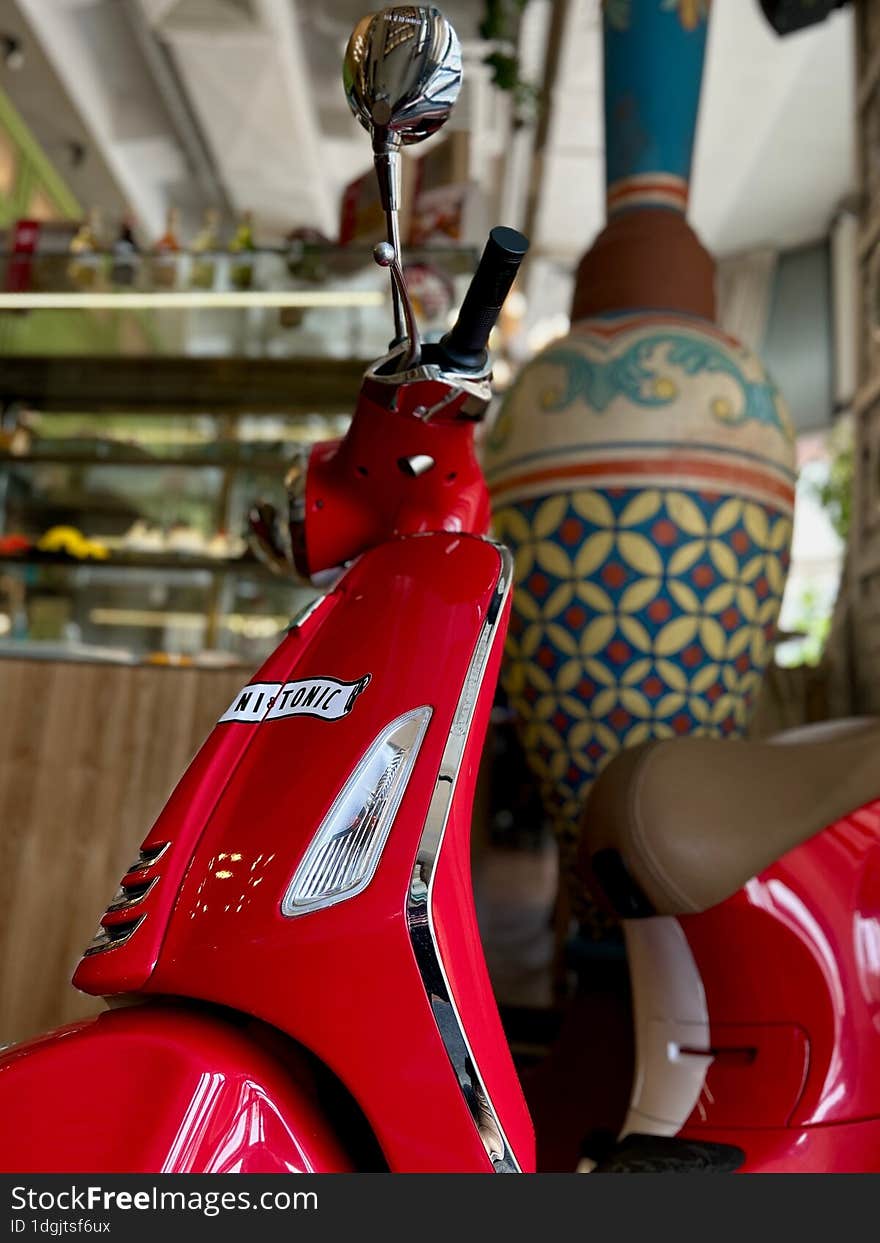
(280, 17)
(70, 57)
(161, 68)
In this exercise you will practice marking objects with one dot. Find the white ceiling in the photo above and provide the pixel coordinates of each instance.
(262, 81)
(97, 61)
(251, 87)
(774, 153)
(775, 149)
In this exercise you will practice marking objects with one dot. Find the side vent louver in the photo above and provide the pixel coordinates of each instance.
(139, 880)
(128, 895)
(147, 856)
(109, 935)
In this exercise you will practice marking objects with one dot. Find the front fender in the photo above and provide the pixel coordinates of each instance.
(162, 1088)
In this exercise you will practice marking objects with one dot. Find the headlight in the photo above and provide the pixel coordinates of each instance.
(344, 853)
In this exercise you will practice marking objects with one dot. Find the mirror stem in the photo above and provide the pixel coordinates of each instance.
(387, 162)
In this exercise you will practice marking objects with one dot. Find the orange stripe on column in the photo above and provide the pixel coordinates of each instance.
(652, 466)
(617, 325)
(641, 189)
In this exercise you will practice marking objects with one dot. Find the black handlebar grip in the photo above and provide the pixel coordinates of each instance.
(465, 344)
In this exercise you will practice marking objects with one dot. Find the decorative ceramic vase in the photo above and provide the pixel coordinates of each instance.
(641, 468)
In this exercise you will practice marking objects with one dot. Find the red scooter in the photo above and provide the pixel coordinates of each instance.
(292, 962)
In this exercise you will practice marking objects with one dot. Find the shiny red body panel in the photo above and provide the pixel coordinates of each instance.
(343, 981)
(357, 496)
(851, 1148)
(181, 823)
(161, 1089)
(790, 964)
(791, 970)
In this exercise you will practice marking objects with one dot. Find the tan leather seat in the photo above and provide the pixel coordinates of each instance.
(693, 819)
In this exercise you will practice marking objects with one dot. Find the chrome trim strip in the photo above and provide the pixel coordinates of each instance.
(308, 610)
(419, 912)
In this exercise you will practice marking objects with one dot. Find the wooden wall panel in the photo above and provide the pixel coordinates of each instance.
(88, 756)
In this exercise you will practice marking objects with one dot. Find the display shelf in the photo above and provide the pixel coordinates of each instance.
(187, 300)
(162, 595)
(187, 383)
(95, 654)
(328, 302)
(113, 385)
(297, 268)
(141, 561)
(265, 462)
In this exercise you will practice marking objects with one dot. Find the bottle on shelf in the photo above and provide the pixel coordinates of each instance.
(204, 251)
(84, 268)
(242, 247)
(126, 254)
(166, 251)
(24, 244)
(306, 254)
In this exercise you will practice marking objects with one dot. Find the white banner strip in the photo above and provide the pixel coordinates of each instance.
(327, 698)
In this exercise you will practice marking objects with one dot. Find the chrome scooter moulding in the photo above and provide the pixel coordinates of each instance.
(419, 905)
(382, 374)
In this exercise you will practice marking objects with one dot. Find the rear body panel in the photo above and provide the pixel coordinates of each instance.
(416, 622)
(161, 1089)
(790, 966)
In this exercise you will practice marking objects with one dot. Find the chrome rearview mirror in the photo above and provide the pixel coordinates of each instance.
(402, 75)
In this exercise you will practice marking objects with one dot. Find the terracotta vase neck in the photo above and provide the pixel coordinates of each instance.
(647, 260)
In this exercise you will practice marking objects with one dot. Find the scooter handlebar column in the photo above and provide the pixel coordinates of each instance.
(465, 344)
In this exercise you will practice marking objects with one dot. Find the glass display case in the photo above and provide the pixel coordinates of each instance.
(142, 418)
(300, 301)
(126, 532)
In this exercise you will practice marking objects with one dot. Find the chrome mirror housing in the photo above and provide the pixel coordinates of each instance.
(402, 75)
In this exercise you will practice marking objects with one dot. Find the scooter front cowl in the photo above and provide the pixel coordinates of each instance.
(313, 869)
(161, 1088)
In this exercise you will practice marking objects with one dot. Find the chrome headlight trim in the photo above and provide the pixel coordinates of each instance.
(419, 912)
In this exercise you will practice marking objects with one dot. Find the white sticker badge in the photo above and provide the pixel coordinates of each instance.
(327, 698)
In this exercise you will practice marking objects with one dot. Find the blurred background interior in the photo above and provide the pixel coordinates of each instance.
(187, 299)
